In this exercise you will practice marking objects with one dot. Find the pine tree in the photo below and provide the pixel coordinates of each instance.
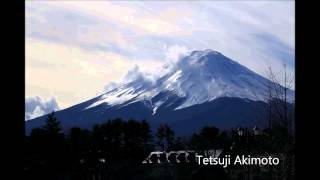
(165, 137)
(52, 125)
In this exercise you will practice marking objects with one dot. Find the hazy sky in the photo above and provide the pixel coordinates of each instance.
(75, 48)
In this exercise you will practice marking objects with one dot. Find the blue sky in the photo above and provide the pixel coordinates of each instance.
(75, 48)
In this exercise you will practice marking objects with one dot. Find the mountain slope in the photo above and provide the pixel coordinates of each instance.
(203, 88)
(200, 77)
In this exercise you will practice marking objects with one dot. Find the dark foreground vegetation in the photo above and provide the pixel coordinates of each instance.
(116, 149)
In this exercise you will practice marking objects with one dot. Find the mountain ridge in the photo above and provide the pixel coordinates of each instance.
(199, 79)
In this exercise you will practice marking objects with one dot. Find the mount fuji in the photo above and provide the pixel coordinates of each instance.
(201, 88)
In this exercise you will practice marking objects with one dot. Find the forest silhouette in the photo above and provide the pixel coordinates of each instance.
(116, 149)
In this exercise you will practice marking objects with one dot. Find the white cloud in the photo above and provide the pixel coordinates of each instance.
(110, 86)
(36, 106)
(136, 16)
(136, 74)
(174, 53)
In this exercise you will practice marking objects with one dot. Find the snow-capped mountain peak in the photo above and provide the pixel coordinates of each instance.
(202, 88)
(199, 77)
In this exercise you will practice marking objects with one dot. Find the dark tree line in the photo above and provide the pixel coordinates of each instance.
(115, 150)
